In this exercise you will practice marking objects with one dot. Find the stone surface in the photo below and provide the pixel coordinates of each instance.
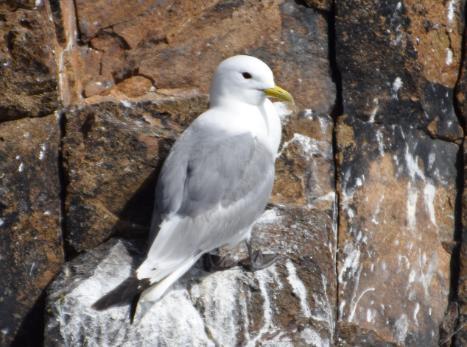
(131, 62)
(351, 335)
(288, 304)
(305, 168)
(397, 148)
(132, 74)
(294, 300)
(461, 97)
(112, 154)
(178, 44)
(324, 5)
(28, 85)
(30, 235)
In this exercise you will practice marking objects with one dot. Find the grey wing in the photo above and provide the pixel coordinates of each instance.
(206, 172)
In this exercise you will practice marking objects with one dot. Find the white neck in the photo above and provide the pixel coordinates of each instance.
(235, 117)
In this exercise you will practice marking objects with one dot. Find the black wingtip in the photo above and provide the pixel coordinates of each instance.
(124, 293)
(134, 305)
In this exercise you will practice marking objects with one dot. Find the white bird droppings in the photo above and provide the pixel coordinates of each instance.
(451, 10)
(351, 261)
(312, 338)
(374, 111)
(415, 312)
(396, 86)
(43, 147)
(298, 288)
(401, 326)
(126, 103)
(269, 217)
(449, 56)
(429, 193)
(412, 197)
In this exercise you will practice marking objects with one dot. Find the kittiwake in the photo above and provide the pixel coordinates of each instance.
(215, 182)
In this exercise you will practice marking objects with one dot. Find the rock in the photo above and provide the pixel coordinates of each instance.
(293, 41)
(113, 151)
(324, 5)
(290, 303)
(351, 335)
(305, 167)
(179, 44)
(135, 86)
(112, 154)
(31, 248)
(397, 145)
(461, 96)
(98, 15)
(28, 84)
(129, 76)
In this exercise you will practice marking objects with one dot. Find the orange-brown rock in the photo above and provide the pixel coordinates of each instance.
(324, 5)
(135, 86)
(31, 249)
(116, 140)
(397, 153)
(28, 85)
(179, 44)
(305, 167)
(461, 97)
(126, 77)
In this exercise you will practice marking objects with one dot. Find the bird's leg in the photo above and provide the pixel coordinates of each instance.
(214, 262)
(258, 259)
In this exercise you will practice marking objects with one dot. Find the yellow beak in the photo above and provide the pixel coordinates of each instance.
(279, 94)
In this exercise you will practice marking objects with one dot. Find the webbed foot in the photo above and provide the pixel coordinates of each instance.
(259, 260)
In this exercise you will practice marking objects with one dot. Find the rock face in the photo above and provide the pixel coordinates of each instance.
(164, 42)
(115, 142)
(366, 210)
(461, 95)
(290, 303)
(397, 147)
(28, 82)
(30, 233)
(139, 128)
(113, 151)
(31, 249)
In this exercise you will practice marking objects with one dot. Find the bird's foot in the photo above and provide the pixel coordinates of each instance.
(260, 260)
(214, 262)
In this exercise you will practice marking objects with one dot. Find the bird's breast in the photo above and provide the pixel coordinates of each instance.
(261, 122)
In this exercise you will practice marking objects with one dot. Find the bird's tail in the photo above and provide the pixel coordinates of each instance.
(133, 289)
(157, 291)
(125, 293)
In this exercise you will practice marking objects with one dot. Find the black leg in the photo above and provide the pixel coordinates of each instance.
(214, 262)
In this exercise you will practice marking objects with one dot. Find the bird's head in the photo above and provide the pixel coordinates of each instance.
(245, 79)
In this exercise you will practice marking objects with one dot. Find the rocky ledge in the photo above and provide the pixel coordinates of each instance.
(289, 303)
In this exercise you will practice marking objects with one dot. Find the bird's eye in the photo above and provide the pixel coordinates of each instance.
(246, 75)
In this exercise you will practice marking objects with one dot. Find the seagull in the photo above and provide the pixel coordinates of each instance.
(214, 184)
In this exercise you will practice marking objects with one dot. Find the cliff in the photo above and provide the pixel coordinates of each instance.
(368, 210)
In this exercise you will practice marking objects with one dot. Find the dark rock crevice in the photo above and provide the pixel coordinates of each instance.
(68, 251)
(459, 227)
(56, 10)
(337, 111)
